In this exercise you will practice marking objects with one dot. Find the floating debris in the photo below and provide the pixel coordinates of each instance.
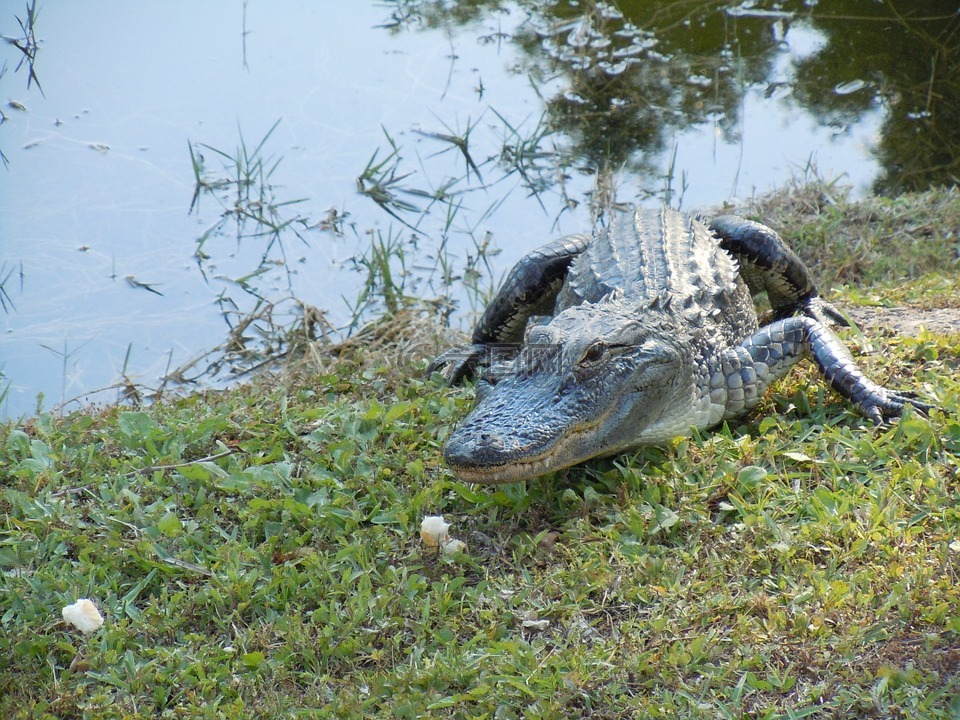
(850, 87)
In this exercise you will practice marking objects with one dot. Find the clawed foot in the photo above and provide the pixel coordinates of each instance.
(823, 312)
(458, 364)
(488, 362)
(887, 404)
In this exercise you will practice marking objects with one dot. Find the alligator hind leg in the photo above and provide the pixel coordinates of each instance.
(530, 289)
(768, 264)
(743, 373)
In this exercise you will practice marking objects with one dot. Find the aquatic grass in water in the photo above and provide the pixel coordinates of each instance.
(28, 46)
(247, 199)
(424, 259)
(378, 180)
(413, 264)
(6, 302)
(264, 329)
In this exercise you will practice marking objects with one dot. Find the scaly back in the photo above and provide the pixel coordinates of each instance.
(649, 255)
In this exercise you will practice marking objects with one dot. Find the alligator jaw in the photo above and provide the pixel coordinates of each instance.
(550, 460)
(502, 474)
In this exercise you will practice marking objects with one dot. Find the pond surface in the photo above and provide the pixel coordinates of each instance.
(174, 166)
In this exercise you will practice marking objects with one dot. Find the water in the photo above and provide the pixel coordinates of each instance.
(692, 109)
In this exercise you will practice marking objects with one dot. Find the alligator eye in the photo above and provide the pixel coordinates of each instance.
(593, 354)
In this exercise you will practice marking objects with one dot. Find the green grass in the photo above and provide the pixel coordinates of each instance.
(256, 553)
(802, 562)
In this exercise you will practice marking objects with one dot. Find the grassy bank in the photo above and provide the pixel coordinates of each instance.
(256, 552)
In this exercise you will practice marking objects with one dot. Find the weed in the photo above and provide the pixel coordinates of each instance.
(394, 266)
(460, 141)
(65, 356)
(522, 153)
(382, 284)
(28, 46)
(4, 387)
(261, 330)
(249, 201)
(6, 302)
(378, 180)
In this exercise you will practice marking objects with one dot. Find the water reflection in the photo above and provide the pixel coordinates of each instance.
(634, 73)
(905, 56)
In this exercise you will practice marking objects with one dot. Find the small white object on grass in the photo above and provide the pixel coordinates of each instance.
(536, 624)
(454, 546)
(531, 621)
(83, 615)
(433, 531)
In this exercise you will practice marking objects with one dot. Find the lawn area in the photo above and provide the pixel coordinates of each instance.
(256, 552)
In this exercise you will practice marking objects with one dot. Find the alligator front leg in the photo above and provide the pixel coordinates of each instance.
(743, 373)
(768, 264)
(530, 289)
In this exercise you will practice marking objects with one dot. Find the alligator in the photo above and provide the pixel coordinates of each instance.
(638, 334)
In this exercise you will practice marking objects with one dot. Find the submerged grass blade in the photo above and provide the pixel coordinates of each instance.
(6, 302)
(28, 45)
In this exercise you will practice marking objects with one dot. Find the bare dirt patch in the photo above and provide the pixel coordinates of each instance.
(905, 320)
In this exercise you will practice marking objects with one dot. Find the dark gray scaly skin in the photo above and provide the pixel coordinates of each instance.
(652, 332)
(529, 290)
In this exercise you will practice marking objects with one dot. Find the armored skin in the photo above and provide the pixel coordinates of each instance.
(650, 331)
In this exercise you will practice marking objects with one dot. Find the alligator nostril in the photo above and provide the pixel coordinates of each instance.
(491, 440)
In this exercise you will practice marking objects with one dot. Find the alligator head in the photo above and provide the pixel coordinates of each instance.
(586, 384)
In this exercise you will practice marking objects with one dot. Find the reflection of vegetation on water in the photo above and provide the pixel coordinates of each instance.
(627, 88)
(633, 73)
(906, 55)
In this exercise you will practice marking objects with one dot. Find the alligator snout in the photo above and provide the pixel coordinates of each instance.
(467, 449)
